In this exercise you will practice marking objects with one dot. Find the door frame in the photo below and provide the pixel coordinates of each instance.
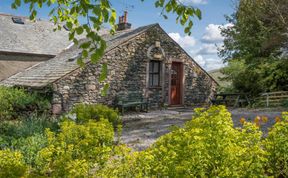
(181, 82)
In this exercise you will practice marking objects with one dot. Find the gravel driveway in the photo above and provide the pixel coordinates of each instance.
(140, 130)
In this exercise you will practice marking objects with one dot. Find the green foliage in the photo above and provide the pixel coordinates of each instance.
(77, 149)
(11, 164)
(85, 112)
(25, 128)
(15, 103)
(29, 147)
(207, 146)
(26, 136)
(285, 103)
(277, 147)
(255, 39)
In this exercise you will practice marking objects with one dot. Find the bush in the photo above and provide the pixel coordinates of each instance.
(11, 164)
(26, 136)
(277, 147)
(29, 147)
(11, 130)
(85, 112)
(77, 149)
(207, 146)
(15, 103)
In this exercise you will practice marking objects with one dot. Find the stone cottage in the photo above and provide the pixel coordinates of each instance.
(144, 59)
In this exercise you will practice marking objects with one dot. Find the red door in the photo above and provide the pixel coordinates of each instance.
(176, 81)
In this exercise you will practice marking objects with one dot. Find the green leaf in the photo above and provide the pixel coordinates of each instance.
(80, 62)
(105, 90)
(71, 35)
(85, 45)
(79, 30)
(84, 53)
(51, 12)
(69, 25)
(168, 7)
(104, 72)
(105, 15)
(73, 10)
(198, 13)
(18, 2)
(157, 4)
(95, 57)
(13, 6)
(33, 15)
(187, 30)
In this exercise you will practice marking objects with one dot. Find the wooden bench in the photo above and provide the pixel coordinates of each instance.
(131, 99)
(231, 99)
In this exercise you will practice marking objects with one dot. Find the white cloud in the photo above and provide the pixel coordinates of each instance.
(183, 41)
(200, 60)
(213, 33)
(210, 63)
(193, 1)
(208, 49)
(213, 63)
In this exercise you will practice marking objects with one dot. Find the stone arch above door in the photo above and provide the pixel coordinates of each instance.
(156, 52)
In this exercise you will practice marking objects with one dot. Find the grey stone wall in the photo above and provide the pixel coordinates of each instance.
(127, 66)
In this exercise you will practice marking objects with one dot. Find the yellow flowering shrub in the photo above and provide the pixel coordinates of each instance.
(207, 146)
(277, 147)
(77, 149)
(12, 164)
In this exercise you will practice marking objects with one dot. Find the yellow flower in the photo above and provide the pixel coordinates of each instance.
(257, 120)
(242, 120)
(264, 119)
(277, 119)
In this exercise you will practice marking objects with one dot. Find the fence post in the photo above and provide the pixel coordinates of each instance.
(267, 99)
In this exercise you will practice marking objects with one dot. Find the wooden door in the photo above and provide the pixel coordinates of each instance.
(176, 82)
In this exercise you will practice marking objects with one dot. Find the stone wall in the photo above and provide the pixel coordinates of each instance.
(127, 71)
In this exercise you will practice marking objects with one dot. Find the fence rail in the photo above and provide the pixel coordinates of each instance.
(273, 98)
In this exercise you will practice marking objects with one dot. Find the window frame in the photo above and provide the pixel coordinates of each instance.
(152, 74)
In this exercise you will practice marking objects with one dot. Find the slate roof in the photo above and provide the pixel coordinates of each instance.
(31, 37)
(49, 71)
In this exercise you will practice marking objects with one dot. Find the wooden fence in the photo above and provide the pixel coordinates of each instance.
(273, 98)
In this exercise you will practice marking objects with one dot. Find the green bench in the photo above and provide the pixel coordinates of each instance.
(131, 99)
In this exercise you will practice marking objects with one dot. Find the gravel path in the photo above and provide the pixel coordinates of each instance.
(142, 129)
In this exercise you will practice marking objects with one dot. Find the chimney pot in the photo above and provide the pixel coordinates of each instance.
(123, 22)
(125, 16)
(120, 19)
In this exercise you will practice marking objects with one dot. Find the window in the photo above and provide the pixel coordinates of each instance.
(154, 73)
(17, 20)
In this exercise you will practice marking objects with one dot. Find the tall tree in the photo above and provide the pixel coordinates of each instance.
(258, 33)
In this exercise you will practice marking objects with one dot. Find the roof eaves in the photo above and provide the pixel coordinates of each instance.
(26, 54)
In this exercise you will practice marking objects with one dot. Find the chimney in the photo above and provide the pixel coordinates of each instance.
(125, 16)
(123, 22)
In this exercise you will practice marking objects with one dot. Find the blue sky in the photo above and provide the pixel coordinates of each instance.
(201, 45)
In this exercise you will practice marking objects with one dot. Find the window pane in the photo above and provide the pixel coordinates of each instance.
(156, 80)
(156, 67)
(150, 66)
(150, 80)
